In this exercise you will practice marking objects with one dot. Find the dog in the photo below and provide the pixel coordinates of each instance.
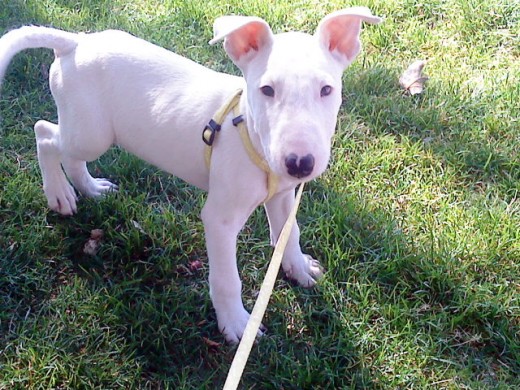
(112, 88)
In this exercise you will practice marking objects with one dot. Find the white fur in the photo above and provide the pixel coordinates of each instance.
(112, 88)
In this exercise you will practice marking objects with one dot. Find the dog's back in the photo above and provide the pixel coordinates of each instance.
(113, 88)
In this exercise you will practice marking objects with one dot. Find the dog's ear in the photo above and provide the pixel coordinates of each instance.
(338, 32)
(244, 37)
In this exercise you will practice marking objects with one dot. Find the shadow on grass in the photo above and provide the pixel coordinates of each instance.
(16, 13)
(405, 295)
(162, 308)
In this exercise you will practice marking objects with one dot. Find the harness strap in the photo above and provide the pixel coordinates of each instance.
(214, 126)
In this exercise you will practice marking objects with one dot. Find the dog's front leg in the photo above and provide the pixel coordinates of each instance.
(298, 266)
(222, 223)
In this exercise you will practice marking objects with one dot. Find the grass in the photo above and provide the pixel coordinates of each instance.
(417, 220)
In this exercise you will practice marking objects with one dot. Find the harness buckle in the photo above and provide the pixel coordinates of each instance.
(237, 120)
(208, 134)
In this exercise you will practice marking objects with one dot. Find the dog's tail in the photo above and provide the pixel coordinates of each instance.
(31, 37)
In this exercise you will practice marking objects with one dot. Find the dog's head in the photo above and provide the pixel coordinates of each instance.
(294, 84)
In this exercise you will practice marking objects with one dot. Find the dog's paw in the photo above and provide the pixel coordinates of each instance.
(306, 272)
(61, 197)
(233, 326)
(97, 187)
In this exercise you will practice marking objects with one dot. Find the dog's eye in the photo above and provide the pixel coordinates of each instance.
(326, 91)
(267, 90)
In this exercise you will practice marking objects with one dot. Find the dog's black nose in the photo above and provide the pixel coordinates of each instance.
(299, 166)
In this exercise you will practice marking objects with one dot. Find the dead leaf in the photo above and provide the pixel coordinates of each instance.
(96, 234)
(211, 344)
(195, 265)
(91, 247)
(412, 80)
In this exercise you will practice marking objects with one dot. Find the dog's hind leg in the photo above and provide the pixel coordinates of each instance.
(53, 154)
(82, 180)
(60, 194)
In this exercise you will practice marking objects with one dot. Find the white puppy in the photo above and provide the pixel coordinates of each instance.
(112, 88)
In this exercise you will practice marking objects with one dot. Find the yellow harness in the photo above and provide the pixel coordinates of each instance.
(214, 126)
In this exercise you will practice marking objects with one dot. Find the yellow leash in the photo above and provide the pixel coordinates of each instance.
(244, 348)
(213, 127)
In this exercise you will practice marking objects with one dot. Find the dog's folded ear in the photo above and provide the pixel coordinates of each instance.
(244, 37)
(339, 32)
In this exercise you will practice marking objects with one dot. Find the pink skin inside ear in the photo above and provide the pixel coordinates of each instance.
(341, 40)
(248, 39)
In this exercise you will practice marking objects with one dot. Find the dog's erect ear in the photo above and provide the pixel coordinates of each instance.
(244, 36)
(339, 32)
